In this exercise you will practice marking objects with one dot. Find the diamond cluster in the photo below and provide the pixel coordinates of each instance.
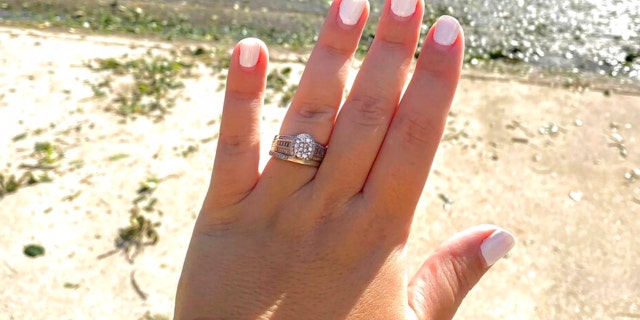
(303, 147)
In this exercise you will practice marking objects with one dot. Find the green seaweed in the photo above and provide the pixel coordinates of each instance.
(155, 79)
(34, 250)
(45, 158)
(142, 230)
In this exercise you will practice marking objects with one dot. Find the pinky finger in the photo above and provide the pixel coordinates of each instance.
(235, 170)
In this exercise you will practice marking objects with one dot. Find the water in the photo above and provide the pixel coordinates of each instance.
(581, 37)
(567, 36)
(575, 35)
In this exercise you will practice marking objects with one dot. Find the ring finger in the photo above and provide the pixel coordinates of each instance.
(319, 95)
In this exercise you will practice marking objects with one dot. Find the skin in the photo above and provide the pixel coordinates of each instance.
(298, 242)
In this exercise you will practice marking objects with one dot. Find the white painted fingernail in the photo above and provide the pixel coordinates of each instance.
(249, 52)
(403, 8)
(496, 246)
(447, 30)
(351, 11)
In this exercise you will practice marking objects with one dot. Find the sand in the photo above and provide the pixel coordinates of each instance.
(562, 192)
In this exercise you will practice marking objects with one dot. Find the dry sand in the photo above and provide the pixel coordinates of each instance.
(564, 195)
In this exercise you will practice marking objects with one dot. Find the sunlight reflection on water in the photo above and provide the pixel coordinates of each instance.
(600, 36)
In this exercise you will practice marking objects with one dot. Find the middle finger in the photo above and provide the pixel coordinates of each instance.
(365, 116)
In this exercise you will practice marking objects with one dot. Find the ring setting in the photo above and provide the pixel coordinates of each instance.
(299, 148)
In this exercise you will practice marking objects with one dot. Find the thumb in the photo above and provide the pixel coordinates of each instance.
(437, 289)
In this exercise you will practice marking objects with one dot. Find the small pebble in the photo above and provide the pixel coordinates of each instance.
(575, 196)
(446, 205)
(34, 250)
(578, 123)
(623, 151)
(617, 137)
(551, 130)
(628, 176)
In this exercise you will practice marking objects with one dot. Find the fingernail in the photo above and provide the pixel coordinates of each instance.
(249, 52)
(447, 30)
(403, 8)
(496, 246)
(351, 11)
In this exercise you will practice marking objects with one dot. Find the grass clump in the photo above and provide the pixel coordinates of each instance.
(149, 316)
(152, 87)
(278, 85)
(118, 157)
(45, 156)
(11, 183)
(166, 20)
(141, 231)
(109, 17)
(278, 79)
(190, 150)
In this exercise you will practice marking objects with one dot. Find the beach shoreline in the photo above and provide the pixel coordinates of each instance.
(572, 50)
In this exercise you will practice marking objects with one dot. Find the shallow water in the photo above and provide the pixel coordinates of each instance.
(575, 35)
(585, 37)
(569, 36)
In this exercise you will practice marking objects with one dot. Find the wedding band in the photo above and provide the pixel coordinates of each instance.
(300, 149)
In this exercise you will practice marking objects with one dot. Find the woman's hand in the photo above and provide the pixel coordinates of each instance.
(328, 242)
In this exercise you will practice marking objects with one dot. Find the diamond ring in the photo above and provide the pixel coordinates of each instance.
(300, 149)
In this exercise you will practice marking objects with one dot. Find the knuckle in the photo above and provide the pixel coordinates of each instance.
(418, 130)
(395, 41)
(217, 216)
(235, 144)
(369, 111)
(242, 96)
(314, 113)
(336, 48)
(436, 65)
(457, 276)
(419, 298)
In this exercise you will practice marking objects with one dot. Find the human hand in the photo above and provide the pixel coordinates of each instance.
(300, 242)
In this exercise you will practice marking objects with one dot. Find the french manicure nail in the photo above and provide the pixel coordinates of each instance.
(496, 246)
(249, 52)
(447, 30)
(351, 11)
(403, 8)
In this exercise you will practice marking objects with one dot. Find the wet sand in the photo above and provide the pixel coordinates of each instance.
(565, 191)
